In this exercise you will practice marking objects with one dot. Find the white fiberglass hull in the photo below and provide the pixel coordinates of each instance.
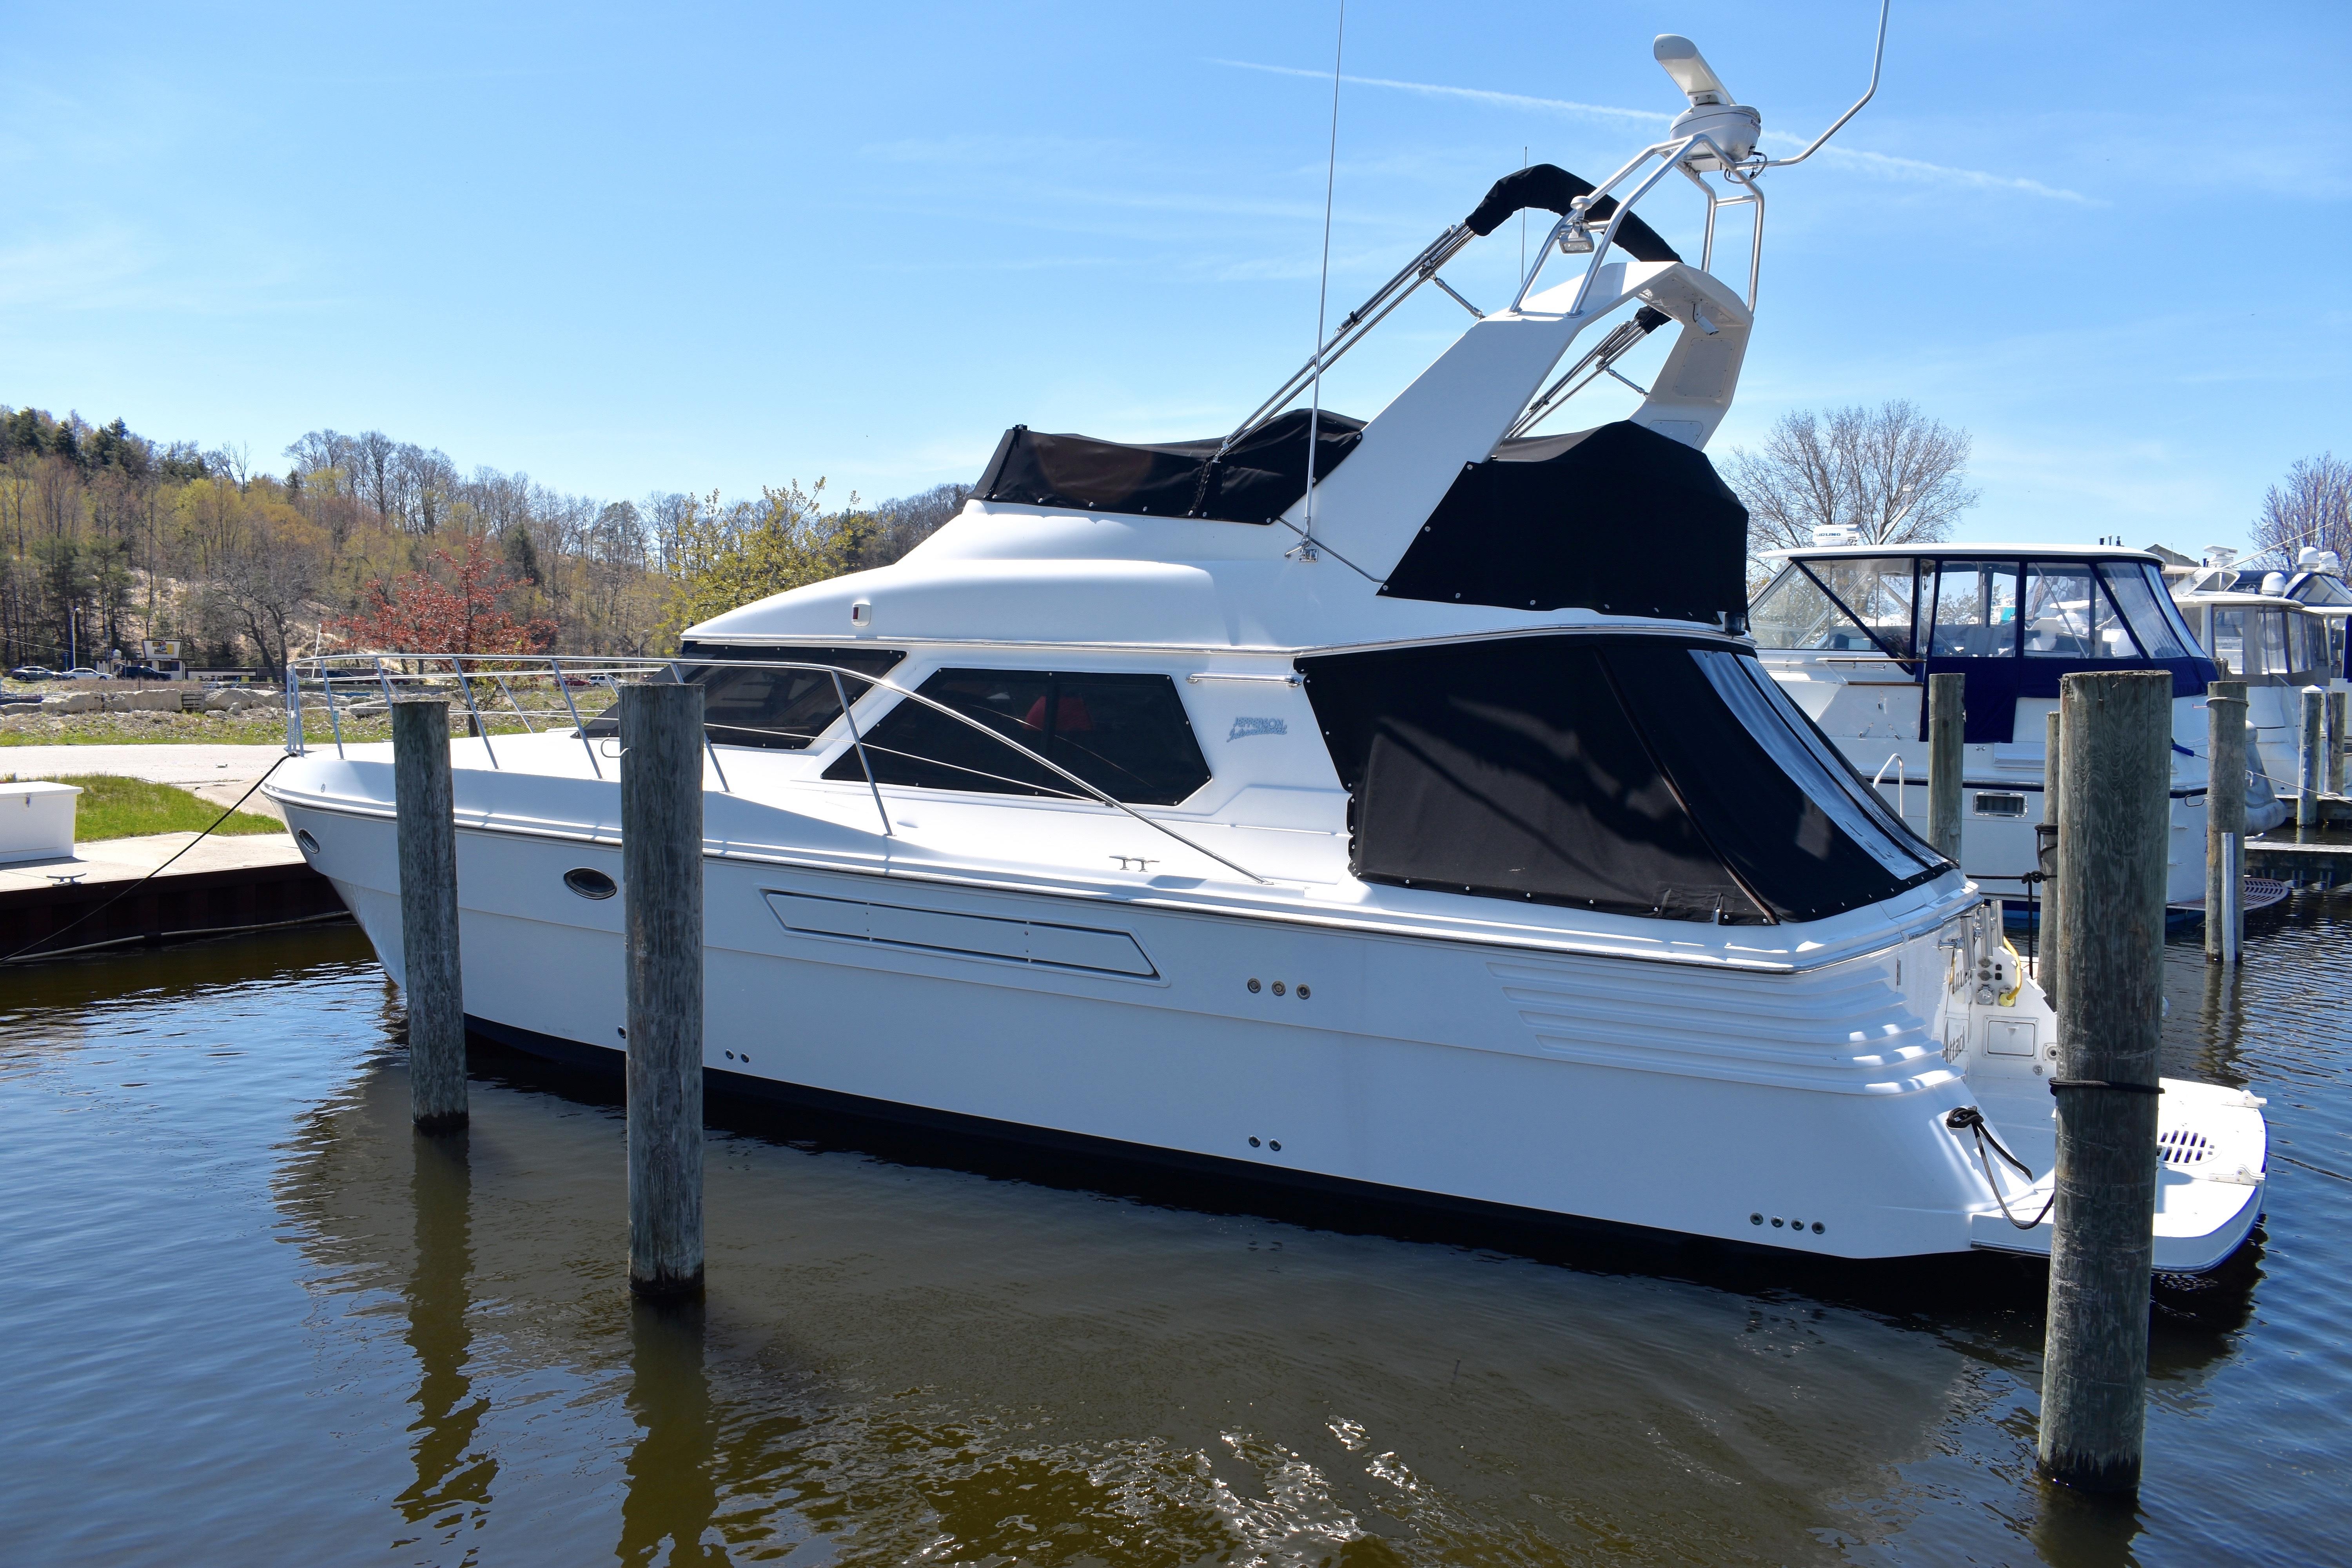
(1801, 1108)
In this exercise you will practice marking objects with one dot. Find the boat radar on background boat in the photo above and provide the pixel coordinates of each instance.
(1447, 844)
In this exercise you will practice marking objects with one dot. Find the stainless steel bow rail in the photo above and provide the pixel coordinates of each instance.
(339, 681)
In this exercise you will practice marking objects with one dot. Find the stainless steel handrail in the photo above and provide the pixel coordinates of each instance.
(614, 668)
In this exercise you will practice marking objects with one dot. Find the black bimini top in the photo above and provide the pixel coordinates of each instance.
(1651, 776)
(1257, 479)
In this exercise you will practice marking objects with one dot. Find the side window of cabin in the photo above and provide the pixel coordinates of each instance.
(1975, 610)
(2138, 590)
(2067, 616)
(2229, 640)
(1126, 734)
(748, 703)
(2275, 651)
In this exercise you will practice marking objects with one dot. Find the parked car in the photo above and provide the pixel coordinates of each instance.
(32, 672)
(79, 672)
(140, 672)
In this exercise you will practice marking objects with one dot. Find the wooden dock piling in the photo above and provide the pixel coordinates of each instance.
(424, 802)
(2311, 772)
(2337, 715)
(1946, 729)
(2113, 826)
(2050, 960)
(661, 882)
(2225, 821)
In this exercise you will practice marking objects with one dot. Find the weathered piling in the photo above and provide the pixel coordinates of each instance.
(1946, 727)
(2117, 735)
(661, 882)
(2311, 770)
(2336, 716)
(2050, 960)
(425, 804)
(2225, 820)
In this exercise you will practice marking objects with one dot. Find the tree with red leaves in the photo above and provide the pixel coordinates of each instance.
(419, 613)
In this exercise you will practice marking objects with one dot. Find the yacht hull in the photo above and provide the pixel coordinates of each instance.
(1748, 1106)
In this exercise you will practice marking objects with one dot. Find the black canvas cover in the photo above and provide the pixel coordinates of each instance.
(1618, 518)
(1255, 481)
(1552, 188)
(1601, 772)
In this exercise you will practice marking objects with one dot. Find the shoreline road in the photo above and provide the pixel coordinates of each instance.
(214, 773)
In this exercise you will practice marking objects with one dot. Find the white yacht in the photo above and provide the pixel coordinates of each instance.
(1852, 632)
(1429, 834)
(2278, 633)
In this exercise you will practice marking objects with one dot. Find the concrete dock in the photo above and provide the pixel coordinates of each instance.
(220, 885)
(223, 884)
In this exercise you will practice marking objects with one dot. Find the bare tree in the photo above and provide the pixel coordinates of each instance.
(373, 453)
(1890, 473)
(2312, 510)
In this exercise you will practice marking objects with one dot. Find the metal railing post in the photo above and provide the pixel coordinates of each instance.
(578, 728)
(456, 662)
(842, 694)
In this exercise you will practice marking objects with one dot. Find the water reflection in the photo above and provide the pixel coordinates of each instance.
(672, 1494)
(452, 1481)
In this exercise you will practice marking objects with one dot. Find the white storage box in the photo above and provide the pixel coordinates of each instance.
(37, 820)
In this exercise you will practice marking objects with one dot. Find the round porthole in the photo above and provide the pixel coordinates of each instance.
(309, 844)
(590, 884)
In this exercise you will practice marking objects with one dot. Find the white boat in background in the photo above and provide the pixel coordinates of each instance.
(2279, 635)
(1431, 834)
(1853, 631)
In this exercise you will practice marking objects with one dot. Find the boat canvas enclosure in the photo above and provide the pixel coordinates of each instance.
(1617, 518)
(1644, 775)
(2011, 625)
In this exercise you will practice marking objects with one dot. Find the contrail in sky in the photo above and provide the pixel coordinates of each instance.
(1882, 163)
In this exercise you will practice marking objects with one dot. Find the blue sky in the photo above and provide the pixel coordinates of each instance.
(630, 248)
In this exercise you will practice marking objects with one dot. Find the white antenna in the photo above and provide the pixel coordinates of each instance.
(1878, 55)
(1323, 291)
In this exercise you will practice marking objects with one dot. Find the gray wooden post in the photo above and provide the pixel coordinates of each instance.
(661, 882)
(2225, 820)
(2050, 964)
(2337, 715)
(2310, 770)
(2112, 831)
(425, 805)
(1946, 727)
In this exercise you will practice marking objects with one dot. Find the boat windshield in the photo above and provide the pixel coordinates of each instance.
(2318, 588)
(1971, 609)
(2138, 590)
(1839, 604)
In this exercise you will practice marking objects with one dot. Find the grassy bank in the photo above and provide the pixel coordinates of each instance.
(113, 808)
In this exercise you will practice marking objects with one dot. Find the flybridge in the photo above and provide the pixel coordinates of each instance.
(1455, 493)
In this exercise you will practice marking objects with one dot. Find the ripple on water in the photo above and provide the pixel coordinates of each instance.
(252, 1317)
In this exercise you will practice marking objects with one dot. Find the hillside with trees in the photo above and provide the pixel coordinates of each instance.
(108, 537)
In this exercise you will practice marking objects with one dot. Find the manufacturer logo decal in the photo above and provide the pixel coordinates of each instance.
(1258, 727)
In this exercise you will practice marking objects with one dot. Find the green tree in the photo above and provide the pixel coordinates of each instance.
(727, 556)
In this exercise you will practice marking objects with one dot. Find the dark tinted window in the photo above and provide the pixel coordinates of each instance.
(781, 710)
(1125, 735)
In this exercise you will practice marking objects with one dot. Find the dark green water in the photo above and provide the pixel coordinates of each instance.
(249, 1318)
